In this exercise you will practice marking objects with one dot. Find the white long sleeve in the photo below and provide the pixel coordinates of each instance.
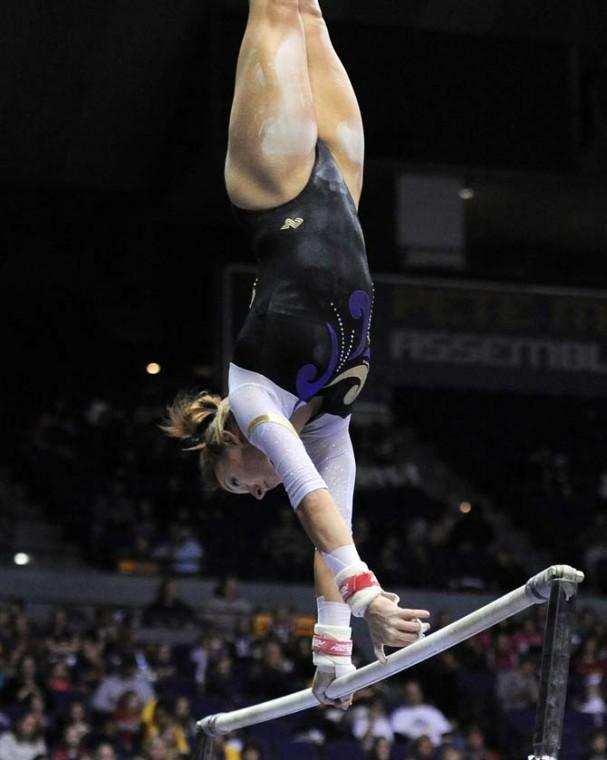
(327, 441)
(262, 410)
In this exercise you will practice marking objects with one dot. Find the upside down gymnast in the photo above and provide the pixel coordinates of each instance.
(294, 173)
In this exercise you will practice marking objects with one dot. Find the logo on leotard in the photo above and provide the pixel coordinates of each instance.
(254, 291)
(292, 224)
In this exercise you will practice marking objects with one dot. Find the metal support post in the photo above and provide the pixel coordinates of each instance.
(554, 671)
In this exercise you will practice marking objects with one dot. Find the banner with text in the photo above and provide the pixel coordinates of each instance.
(470, 335)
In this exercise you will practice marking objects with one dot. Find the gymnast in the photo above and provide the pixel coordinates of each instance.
(294, 173)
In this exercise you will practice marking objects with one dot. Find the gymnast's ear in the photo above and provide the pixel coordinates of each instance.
(233, 439)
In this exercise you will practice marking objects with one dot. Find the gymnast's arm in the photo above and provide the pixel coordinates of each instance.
(262, 419)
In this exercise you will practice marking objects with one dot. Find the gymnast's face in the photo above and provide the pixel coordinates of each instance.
(245, 469)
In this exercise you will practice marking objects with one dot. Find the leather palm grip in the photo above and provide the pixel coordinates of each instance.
(358, 587)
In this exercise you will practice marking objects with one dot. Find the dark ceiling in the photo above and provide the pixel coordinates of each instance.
(113, 134)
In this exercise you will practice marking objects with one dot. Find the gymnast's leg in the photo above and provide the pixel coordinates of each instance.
(337, 112)
(273, 131)
(340, 127)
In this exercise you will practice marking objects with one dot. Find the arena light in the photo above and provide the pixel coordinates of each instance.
(21, 558)
(465, 507)
(466, 193)
(153, 368)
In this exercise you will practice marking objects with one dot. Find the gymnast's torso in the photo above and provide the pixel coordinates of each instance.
(308, 327)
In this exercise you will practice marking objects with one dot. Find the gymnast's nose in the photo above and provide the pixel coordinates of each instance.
(259, 491)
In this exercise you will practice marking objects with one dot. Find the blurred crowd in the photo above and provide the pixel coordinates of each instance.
(107, 684)
(540, 460)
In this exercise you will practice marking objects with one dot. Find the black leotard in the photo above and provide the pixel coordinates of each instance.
(308, 326)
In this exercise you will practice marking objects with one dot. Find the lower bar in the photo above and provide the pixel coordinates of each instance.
(417, 652)
(535, 591)
(554, 671)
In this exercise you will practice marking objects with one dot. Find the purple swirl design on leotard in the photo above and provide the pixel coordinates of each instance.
(360, 306)
(307, 383)
(307, 387)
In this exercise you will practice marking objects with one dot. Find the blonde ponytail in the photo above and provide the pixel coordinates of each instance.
(199, 420)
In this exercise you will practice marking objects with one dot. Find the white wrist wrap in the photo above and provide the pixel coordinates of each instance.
(332, 648)
(340, 558)
(332, 613)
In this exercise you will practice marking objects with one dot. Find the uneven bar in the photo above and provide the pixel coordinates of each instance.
(535, 591)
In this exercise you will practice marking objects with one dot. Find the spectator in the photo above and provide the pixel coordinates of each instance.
(103, 732)
(159, 719)
(199, 656)
(105, 751)
(595, 553)
(220, 679)
(591, 660)
(415, 719)
(187, 552)
(21, 642)
(76, 717)
(90, 665)
(112, 687)
(593, 702)
(282, 626)
(59, 678)
(107, 625)
(372, 724)
(271, 677)
(162, 663)
(528, 640)
(61, 643)
(252, 751)
(127, 717)
(222, 750)
(244, 641)
(156, 749)
(586, 623)
(518, 688)
(504, 656)
(168, 610)
(381, 749)
(26, 683)
(172, 741)
(183, 718)
(450, 753)
(472, 655)
(421, 749)
(598, 746)
(69, 748)
(227, 605)
(475, 746)
(37, 706)
(24, 742)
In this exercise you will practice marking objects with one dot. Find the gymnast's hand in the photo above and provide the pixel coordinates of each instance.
(324, 678)
(332, 655)
(393, 626)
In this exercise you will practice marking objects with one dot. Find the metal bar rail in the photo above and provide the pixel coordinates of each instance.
(537, 590)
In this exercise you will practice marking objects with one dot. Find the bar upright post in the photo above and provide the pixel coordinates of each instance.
(554, 671)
